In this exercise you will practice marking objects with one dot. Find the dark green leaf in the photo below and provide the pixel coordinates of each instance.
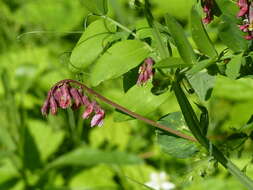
(230, 34)
(130, 78)
(233, 67)
(92, 43)
(8, 184)
(86, 156)
(175, 146)
(119, 59)
(98, 7)
(172, 62)
(204, 119)
(200, 35)
(31, 157)
(203, 84)
(227, 7)
(184, 47)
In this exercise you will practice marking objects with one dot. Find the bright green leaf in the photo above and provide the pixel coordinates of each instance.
(85, 156)
(119, 59)
(140, 100)
(98, 7)
(233, 67)
(92, 43)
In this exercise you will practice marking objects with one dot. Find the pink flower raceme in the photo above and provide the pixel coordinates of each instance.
(246, 13)
(64, 96)
(145, 71)
(207, 9)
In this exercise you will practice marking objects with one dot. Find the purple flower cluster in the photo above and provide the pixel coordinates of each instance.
(246, 13)
(64, 96)
(207, 9)
(145, 71)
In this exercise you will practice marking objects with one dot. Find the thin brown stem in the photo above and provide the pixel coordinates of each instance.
(125, 110)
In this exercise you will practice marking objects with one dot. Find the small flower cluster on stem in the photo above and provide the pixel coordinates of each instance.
(63, 95)
(246, 13)
(207, 6)
(145, 71)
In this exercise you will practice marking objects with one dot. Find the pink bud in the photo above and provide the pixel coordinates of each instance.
(53, 106)
(65, 99)
(76, 96)
(89, 109)
(98, 118)
(145, 71)
(46, 105)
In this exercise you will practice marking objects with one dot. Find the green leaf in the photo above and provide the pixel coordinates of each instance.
(227, 7)
(199, 66)
(119, 59)
(171, 62)
(233, 67)
(200, 35)
(184, 47)
(175, 146)
(230, 34)
(130, 78)
(31, 158)
(98, 7)
(139, 99)
(85, 156)
(92, 43)
(203, 84)
(204, 119)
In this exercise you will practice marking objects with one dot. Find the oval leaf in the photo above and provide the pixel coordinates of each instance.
(92, 43)
(118, 59)
(173, 145)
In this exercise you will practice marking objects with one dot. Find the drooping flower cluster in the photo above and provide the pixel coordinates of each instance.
(207, 6)
(64, 95)
(145, 71)
(246, 13)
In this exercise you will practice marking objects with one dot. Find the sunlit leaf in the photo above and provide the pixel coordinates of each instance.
(119, 59)
(92, 43)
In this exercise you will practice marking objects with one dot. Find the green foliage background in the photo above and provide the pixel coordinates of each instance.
(63, 152)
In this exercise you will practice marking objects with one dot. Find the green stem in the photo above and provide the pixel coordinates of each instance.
(162, 48)
(120, 25)
(194, 126)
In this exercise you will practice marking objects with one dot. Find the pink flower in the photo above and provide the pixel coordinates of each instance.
(98, 118)
(61, 95)
(243, 5)
(65, 99)
(145, 71)
(53, 106)
(76, 96)
(46, 105)
(207, 9)
(89, 109)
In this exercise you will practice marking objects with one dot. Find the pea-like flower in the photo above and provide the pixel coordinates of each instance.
(64, 95)
(207, 6)
(246, 13)
(145, 71)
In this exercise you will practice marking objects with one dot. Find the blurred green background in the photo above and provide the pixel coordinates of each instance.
(63, 152)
